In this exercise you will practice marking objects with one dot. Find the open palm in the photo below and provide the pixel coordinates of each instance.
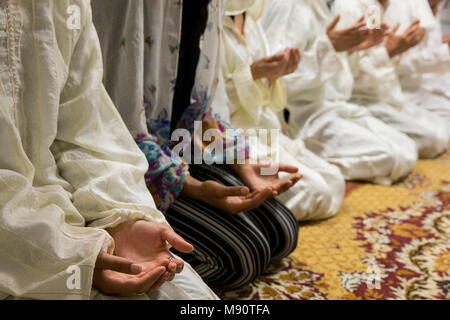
(254, 176)
(228, 200)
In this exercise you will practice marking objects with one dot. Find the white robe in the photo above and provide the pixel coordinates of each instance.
(378, 88)
(69, 167)
(253, 105)
(424, 70)
(345, 134)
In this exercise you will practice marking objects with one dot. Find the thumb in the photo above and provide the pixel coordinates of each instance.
(176, 241)
(224, 191)
(115, 263)
(334, 23)
(287, 168)
(415, 23)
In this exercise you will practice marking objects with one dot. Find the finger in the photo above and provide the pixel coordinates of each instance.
(255, 193)
(115, 263)
(171, 276)
(256, 200)
(334, 23)
(384, 27)
(296, 58)
(290, 62)
(158, 284)
(395, 29)
(111, 283)
(415, 23)
(414, 36)
(176, 241)
(360, 26)
(275, 57)
(224, 191)
(296, 179)
(172, 266)
(285, 186)
(253, 202)
(144, 284)
(422, 34)
(412, 30)
(287, 168)
(180, 265)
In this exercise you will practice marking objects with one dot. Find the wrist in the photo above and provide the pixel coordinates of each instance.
(192, 188)
(391, 51)
(119, 228)
(256, 72)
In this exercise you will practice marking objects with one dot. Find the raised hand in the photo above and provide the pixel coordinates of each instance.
(252, 176)
(375, 37)
(348, 38)
(398, 44)
(229, 199)
(276, 66)
(142, 260)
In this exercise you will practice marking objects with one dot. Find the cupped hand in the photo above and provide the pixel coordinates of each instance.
(375, 37)
(276, 66)
(398, 44)
(261, 176)
(347, 38)
(141, 261)
(229, 199)
(115, 275)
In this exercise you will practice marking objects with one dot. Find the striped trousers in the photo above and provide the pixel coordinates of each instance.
(231, 250)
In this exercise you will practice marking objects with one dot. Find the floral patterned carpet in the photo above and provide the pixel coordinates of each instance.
(385, 243)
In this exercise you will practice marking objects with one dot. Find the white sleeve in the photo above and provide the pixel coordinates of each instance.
(94, 150)
(42, 235)
(46, 251)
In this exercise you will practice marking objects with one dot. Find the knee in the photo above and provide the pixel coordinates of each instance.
(335, 193)
(246, 261)
(398, 159)
(404, 157)
(323, 195)
(437, 143)
(287, 235)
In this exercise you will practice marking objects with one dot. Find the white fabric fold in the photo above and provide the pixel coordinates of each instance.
(69, 167)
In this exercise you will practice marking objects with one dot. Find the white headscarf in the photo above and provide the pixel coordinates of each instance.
(236, 7)
(254, 8)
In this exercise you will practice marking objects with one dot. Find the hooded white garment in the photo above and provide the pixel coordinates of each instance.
(343, 133)
(254, 105)
(424, 70)
(378, 88)
(69, 167)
